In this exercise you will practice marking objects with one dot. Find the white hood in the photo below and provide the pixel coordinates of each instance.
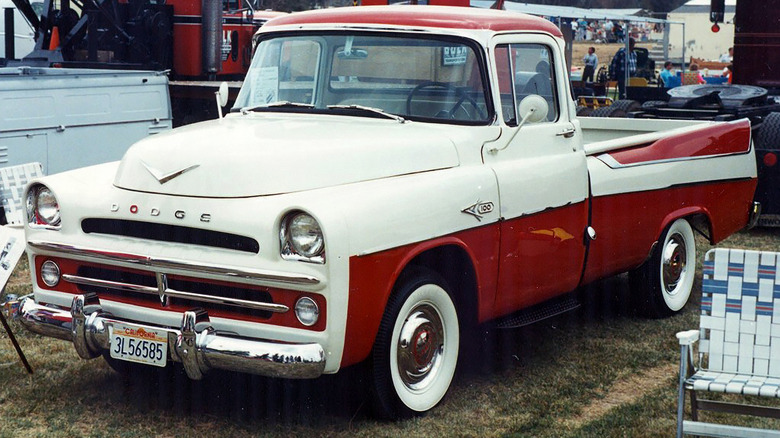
(262, 154)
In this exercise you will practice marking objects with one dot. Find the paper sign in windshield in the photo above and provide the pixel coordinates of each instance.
(454, 55)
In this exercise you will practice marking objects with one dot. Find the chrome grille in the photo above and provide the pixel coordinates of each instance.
(160, 290)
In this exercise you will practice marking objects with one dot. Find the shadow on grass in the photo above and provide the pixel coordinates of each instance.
(248, 398)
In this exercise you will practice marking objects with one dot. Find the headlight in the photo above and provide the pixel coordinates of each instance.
(301, 238)
(42, 206)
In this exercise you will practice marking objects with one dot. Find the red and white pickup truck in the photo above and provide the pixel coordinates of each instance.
(388, 178)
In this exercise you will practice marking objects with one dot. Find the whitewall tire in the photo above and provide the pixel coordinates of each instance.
(662, 286)
(416, 350)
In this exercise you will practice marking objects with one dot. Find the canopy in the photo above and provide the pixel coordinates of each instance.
(569, 12)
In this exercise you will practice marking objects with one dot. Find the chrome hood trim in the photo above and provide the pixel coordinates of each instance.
(268, 154)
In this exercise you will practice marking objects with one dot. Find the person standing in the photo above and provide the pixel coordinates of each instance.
(591, 62)
(666, 74)
(617, 68)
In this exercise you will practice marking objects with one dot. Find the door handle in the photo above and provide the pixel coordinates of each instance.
(567, 133)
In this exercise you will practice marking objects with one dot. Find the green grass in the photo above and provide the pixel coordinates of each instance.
(598, 371)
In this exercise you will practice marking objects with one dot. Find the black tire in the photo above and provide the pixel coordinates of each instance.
(769, 133)
(662, 285)
(627, 105)
(420, 312)
(584, 111)
(653, 104)
(609, 111)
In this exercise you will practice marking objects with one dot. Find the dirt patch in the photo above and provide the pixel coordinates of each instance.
(624, 391)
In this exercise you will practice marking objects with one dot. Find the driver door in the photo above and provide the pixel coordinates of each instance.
(542, 176)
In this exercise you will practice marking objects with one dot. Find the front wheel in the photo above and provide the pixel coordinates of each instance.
(663, 284)
(416, 349)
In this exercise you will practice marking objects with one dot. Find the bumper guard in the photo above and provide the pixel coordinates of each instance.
(195, 344)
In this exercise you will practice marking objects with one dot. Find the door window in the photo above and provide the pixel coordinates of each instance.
(525, 69)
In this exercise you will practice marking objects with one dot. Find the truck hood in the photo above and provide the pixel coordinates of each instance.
(267, 154)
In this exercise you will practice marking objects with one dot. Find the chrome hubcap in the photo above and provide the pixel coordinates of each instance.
(673, 264)
(420, 347)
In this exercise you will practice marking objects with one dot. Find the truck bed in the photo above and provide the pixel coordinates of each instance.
(607, 134)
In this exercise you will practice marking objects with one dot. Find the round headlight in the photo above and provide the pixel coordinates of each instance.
(50, 273)
(47, 207)
(42, 206)
(306, 235)
(307, 311)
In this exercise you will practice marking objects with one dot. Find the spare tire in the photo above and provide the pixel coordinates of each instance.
(769, 133)
(609, 111)
(731, 96)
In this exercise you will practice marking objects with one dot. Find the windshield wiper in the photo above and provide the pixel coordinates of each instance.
(369, 109)
(276, 105)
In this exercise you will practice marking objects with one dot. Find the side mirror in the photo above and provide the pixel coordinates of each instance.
(532, 109)
(222, 97)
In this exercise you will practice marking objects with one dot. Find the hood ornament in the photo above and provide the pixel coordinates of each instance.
(163, 178)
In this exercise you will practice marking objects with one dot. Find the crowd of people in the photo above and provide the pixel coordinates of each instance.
(607, 31)
(623, 60)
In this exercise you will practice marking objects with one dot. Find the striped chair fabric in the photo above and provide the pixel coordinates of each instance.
(739, 349)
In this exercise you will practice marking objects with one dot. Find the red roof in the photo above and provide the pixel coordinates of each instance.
(422, 16)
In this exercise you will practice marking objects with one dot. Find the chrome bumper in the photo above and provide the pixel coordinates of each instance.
(754, 214)
(195, 344)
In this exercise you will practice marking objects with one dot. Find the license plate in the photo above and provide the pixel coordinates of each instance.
(139, 344)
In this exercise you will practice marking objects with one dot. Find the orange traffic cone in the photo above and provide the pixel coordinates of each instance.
(54, 42)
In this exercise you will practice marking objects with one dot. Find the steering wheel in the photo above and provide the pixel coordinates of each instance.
(462, 97)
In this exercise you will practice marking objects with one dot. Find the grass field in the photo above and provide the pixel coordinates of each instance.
(597, 371)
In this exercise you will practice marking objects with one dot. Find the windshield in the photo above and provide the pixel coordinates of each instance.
(412, 77)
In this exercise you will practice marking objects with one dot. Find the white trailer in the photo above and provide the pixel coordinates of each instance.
(71, 118)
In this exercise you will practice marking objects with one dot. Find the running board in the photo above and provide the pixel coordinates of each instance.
(538, 312)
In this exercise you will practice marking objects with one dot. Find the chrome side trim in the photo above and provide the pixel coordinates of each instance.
(754, 214)
(610, 161)
(148, 290)
(168, 264)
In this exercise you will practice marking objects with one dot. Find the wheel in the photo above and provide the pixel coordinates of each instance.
(663, 284)
(416, 349)
(769, 133)
(462, 97)
(608, 111)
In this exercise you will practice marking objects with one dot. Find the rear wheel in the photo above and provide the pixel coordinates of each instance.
(663, 284)
(416, 349)
(769, 133)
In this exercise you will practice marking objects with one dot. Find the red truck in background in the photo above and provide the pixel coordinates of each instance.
(200, 42)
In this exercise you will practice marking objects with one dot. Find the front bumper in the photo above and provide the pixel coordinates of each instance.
(195, 344)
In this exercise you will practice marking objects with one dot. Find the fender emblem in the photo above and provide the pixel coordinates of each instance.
(479, 209)
(163, 178)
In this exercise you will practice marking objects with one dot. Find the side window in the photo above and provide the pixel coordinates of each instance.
(529, 70)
